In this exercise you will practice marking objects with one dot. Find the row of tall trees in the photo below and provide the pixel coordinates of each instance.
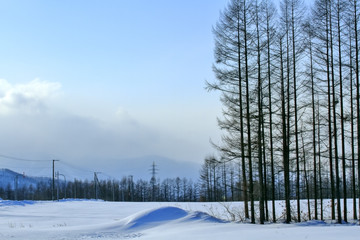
(289, 83)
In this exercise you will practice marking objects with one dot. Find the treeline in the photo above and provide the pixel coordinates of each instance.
(289, 84)
(126, 189)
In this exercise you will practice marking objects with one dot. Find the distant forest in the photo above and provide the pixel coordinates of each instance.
(126, 189)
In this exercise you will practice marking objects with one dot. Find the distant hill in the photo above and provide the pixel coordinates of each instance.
(9, 177)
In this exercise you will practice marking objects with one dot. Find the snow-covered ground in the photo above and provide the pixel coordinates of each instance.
(75, 219)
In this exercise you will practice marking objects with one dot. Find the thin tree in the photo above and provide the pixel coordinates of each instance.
(285, 143)
(310, 32)
(260, 117)
(270, 13)
(352, 130)
(357, 73)
(338, 18)
(245, 11)
(334, 102)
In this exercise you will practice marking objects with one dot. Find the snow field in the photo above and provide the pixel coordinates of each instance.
(75, 219)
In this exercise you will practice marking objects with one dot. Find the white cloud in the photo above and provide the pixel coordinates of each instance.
(93, 132)
(28, 97)
(4, 87)
(123, 114)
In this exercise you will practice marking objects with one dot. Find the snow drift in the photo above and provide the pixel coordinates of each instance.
(165, 215)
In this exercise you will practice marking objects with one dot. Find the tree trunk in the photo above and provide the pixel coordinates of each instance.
(334, 102)
(285, 139)
(357, 94)
(243, 164)
(296, 112)
(313, 125)
(342, 114)
(248, 117)
(353, 176)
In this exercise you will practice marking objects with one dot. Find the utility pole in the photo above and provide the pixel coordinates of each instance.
(59, 174)
(53, 180)
(131, 188)
(96, 180)
(57, 186)
(16, 186)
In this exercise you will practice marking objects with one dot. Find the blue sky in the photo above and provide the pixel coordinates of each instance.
(93, 82)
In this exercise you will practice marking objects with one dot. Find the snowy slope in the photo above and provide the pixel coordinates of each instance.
(75, 219)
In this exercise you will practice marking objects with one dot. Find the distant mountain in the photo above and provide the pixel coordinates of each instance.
(9, 177)
(139, 168)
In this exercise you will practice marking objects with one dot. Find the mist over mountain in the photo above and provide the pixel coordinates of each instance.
(139, 168)
(9, 178)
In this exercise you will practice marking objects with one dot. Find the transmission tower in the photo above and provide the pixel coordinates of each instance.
(153, 180)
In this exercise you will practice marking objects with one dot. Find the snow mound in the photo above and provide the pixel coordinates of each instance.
(204, 217)
(80, 200)
(164, 215)
(317, 223)
(155, 217)
(312, 223)
(16, 203)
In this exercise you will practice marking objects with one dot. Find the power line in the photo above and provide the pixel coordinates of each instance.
(23, 159)
(75, 167)
(71, 166)
(84, 170)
